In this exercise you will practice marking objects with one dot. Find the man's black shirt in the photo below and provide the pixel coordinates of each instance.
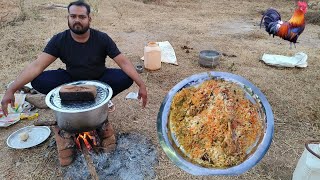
(84, 61)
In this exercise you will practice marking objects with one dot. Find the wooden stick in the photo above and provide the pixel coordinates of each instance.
(89, 162)
(44, 123)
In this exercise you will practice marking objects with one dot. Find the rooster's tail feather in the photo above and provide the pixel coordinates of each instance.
(270, 20)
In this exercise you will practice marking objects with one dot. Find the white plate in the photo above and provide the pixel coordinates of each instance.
(37, 134)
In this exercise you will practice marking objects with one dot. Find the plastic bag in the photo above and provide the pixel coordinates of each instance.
(19, 101)
(14, 112)
(298, 60)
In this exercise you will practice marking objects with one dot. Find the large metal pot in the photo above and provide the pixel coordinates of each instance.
(81, 116)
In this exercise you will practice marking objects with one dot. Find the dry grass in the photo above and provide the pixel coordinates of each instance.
(313, 17)
(232, 28)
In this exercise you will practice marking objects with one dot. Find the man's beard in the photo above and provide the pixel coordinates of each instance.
(80, 31)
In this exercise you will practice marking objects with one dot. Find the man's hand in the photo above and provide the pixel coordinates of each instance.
(143, 95)
(128, 68)
(7, 98)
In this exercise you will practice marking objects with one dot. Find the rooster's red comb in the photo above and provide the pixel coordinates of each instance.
(302, 4)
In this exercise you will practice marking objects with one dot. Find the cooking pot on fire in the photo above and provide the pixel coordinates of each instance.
(81, 116)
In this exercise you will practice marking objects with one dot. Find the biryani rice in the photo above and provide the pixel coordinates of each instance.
(215, 124)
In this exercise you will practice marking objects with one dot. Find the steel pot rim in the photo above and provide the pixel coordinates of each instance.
(94, 82)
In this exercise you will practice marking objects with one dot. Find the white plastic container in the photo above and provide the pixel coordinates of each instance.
(152, 56)
(308, 167)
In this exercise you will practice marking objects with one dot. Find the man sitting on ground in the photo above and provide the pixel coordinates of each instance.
(84, 51)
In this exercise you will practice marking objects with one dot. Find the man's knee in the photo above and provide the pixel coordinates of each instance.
(39, 86)
(124, 82)
(128, 82)
(48, 80)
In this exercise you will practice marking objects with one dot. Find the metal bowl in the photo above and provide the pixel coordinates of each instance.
(139, 68)
(209, 58)
(252, 93)
(81, 116)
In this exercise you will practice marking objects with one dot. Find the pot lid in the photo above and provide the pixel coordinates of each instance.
(104, 94)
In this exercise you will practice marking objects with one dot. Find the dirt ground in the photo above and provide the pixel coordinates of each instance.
(231, 27)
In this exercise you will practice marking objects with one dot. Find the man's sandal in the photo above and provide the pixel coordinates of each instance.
(111, 107)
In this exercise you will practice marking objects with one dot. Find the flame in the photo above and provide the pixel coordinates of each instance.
(87, 138)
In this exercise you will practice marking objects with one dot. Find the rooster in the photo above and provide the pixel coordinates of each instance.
(287, 30)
